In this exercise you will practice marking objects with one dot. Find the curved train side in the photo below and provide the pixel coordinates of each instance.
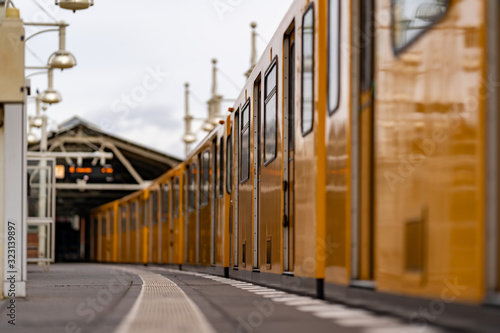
(353, 165)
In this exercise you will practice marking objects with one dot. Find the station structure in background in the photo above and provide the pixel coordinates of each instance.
(14, 91)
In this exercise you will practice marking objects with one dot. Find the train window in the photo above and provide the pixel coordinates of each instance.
(245, 143)
(132, 216)
(205, 178)
(221, 167)
(165, 203)
(229, 164)
(104, 222)
(366, 44)
(334, 56)
(308, 71)
(154, 199)
(411, 18)
(142, 214)
(270, 114)
(112, 222)
(192, 187)
(124, 219)
(176, 197)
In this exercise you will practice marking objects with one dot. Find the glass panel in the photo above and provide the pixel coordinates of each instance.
(192, 187)
(104, 222)
(270, 130)
(245, 154)
(132, 216)
(229, 164)
(271, 81)
(333, 62)
(165, 203)
(124, 218)
(221, 167)
(205, 178)
(39, 241)
(411, 18)
(154, 198)
(40, 188)
(245, 117)
(308, 71)
(112, 221)
(176, 197)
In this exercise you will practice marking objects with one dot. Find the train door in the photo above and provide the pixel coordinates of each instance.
(236, 184)
(363, 150)
(229, 191)
(213, 202)
(288, 151)
(257, 170)
(134, 234)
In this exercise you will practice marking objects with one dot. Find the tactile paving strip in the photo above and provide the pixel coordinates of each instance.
(162, 307)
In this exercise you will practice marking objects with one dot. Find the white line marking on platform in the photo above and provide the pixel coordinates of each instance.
(162, 307)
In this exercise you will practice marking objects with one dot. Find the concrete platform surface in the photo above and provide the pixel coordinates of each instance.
(79, 298)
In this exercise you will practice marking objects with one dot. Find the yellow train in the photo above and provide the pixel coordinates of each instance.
(360, 161)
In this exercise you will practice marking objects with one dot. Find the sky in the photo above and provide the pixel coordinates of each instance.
(134, 58)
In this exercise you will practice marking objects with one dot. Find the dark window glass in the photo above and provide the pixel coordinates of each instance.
(112, 221)
(205, 178)
(333, 58)
(221, 167)
(132, 216)
(124, 218)
(229, 164)
(104, 222)
(192, 187)
(307, 71)
(291, 113)
(154, 198)
(412, 18)
(176, 197)
(165, 203)
(270, 115)
(366, 44)
(245, 143)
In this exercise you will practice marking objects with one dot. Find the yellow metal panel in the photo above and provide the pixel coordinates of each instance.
(429, 117)
(11, 61)
(338, 196)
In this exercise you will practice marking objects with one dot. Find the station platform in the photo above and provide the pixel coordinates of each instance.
(79, 298)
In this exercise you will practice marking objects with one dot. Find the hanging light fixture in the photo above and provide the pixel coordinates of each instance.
(62, 59)
(51, 96)
(74, 5)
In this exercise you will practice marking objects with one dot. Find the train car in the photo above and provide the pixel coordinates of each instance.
(171, 230)
(359, 163)
(105, 224)
(207, 238)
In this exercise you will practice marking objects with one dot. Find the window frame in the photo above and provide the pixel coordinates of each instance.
(245, 129)
(267, 99)
(332, 110)
(229, 164)
(398, 51)
(310, 9)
